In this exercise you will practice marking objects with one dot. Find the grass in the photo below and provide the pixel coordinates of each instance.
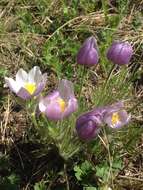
(49, 34)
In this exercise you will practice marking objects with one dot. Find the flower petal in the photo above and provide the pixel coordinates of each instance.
(12, 84)
(39, 89)
(66, 89)
(90, 42)
(72, 107)
(120, 53)
(87, 126)
(44, 102)
(41, 85)
(44, 77)
(88, 53)
(117, 119)
(24, 94)
(34, 75)
(42, 106)
(21, 77)
(53, 111)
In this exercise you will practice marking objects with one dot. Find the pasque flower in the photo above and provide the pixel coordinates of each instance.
(116, 116)
(88, 53)
(61, 103)
(88, 125)
(26, 84)
(120, 53)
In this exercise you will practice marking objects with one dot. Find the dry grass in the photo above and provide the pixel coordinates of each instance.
(24, 49)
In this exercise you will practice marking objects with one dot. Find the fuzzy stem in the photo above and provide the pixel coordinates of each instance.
(105, 9)
(66, 177)
(34, 121)
(106, 82)
(110, 174)
(109, 76)
(83, 75)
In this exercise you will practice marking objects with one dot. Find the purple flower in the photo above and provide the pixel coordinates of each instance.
(116, 115)
(120, 53)
(61, 103)
(88, 125)
(88, 53)
(26, 84)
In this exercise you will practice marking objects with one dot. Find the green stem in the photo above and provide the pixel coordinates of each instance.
(66, 177)
(109, 76)
(106, 83)
(31, 112)
(110, 174)
(105, 9)
(83, 76)
(34, 121)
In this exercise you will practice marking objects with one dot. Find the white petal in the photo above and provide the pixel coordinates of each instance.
(44, 77)
(13, 85)
(66, 89)
(34, 75)
(42, 107)
(21, 77)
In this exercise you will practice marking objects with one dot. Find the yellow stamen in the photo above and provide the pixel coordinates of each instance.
(115, 118)
(62, 104)
(30, 87)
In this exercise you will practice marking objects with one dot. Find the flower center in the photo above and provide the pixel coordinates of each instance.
(115, 118)
(30, 87)
(62, 104)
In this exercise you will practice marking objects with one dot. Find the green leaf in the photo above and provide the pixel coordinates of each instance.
(117, 165)
(102, 171)
(89, 188)
(78, 173)
(40, 186)
(83, 170)
(86, 166)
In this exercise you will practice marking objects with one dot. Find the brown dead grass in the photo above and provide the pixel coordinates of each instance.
(19, 49)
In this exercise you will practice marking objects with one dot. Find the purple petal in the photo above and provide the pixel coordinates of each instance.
(122, 116)
(87, 57)
(39, 89)
(61, 103)
(120, 53)
(87, 127)
(51, 97)
(88, 53)
(41, 85)
(72, 107)
(98, 110)
(53, 111)
(52, 108)
(114, 107)
(46, 101)
(24, 94)
(90, 42)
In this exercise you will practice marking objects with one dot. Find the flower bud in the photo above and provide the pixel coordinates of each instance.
(87, 127)
(88, 53)
(120, 53)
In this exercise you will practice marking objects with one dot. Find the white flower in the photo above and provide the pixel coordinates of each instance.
(26, 84)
